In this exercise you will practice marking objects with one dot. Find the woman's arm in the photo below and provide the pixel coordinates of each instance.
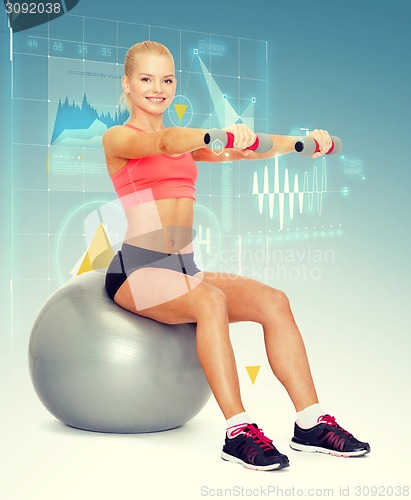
(125, 142)
(282, 144)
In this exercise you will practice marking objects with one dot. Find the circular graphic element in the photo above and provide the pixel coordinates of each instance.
(181, 111)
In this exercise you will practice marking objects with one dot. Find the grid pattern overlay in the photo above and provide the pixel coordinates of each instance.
(65, 93)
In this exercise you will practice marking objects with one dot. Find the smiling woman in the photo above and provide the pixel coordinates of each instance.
(133, 81)
(154, 274)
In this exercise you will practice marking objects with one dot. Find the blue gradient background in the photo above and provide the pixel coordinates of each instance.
(339, 66)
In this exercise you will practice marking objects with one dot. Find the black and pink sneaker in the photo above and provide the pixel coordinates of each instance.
(328, 437)
(246, 444)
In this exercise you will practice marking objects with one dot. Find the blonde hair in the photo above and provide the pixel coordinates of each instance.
(141, 48)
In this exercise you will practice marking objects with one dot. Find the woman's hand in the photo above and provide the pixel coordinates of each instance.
(243, 136)
(324, 141)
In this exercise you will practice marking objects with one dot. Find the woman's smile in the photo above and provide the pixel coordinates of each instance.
(156, 100)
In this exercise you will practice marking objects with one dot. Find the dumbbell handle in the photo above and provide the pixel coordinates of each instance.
(262, 144)
(307, 146)
(230, 142)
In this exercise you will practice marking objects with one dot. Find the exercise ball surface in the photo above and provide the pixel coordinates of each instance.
(99, 367)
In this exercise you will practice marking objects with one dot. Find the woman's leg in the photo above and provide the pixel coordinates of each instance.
(251, 300)
(186, 299)
(206, 305)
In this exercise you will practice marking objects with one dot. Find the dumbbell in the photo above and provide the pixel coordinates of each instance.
(262, 144)
(307, 146)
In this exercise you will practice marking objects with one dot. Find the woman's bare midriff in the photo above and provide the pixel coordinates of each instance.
(163, 225)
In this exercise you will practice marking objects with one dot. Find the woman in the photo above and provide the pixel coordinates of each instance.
(154, 274)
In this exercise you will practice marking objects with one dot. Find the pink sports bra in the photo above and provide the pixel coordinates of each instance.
(155, 177)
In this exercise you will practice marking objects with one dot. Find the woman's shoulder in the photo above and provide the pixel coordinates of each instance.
(115, 130)
(115, 133)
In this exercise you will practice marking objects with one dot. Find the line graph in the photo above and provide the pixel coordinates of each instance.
(302, 192)
(82, 125)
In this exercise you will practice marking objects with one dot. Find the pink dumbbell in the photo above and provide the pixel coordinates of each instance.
(262, 144)
(307, 146)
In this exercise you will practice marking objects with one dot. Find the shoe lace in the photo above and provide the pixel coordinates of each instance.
(330, 420)
(259, 437)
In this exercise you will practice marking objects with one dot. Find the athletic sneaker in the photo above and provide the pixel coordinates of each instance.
(328, 437)
(246, 444)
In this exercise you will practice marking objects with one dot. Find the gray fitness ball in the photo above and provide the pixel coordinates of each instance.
(99, 367)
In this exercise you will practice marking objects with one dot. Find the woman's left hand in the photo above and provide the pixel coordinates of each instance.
(243, 136)
(324, 141)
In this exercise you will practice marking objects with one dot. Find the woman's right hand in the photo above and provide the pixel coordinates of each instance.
(324, 141)
(243, 136)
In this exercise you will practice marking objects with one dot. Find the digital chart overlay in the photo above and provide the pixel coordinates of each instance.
(59, 173)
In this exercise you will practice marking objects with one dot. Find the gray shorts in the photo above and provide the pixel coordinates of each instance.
(131, 257)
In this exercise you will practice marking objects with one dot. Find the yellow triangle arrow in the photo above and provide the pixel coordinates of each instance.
(85, 266)
(180, 110)
(99, 253)
(100, 250)
(253, 372)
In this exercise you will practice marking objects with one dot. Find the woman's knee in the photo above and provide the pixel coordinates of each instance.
(278, 300)
(212, 301)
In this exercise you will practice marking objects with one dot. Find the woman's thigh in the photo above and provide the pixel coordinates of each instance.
(247, 299)
(166, 295)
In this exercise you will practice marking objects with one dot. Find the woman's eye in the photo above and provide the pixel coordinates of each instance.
(168, 81)
(145, 79)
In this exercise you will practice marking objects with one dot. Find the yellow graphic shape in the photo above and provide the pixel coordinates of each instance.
(99, 254)
(180, 110)
(253, 372)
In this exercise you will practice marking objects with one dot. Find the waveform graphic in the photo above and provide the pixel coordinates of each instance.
(281, 195)
(82, 125)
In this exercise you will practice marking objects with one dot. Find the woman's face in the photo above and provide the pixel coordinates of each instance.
(152, 85)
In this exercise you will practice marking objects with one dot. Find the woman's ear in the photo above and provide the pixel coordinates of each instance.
(125, 84)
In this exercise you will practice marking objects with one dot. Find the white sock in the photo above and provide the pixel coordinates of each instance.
(309, 416)
(240, 418)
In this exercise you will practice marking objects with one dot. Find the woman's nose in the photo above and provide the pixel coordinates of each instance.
(157, 86)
